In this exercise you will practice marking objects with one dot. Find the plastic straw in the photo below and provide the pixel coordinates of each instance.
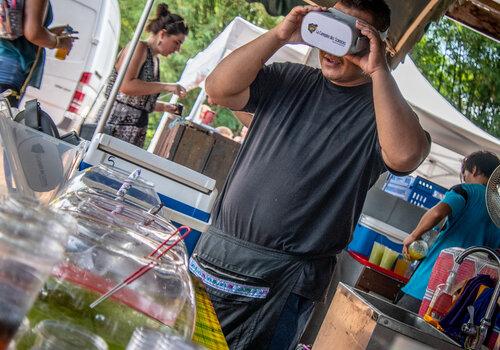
(122, 191)
(155, 254)
(153, 211)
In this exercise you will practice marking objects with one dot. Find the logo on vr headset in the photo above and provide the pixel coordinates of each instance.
(312, 27)
(334, 39)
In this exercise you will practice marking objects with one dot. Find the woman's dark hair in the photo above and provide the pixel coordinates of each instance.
(164, 20)
(485, 163)
(377, 8)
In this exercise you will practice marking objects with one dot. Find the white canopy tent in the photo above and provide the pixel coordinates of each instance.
(453, 134)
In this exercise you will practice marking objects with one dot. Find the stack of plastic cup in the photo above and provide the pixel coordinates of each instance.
(32, 240)
(54, 335)
(146, 338)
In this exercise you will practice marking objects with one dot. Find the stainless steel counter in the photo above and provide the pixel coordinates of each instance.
(357, 320)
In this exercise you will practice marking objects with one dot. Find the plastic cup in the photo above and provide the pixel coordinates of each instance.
(32, 240)
(377, 253)
(61, 54)
(55, 335)
(145, 339)
(401, 267)
(388, 258)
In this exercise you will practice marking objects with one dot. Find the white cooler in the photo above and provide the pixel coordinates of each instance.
(188, 195)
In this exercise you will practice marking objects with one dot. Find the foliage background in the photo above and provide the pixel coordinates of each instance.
(206, 19)
(461, 64)
(464, 67)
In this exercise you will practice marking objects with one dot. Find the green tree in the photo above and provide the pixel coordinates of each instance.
(464, 67)
(460, 63)
(206, 19)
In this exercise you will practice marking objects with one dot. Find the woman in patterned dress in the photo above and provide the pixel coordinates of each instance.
(141, 86)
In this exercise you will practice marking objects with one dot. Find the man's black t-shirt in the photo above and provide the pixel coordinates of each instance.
(302, 174)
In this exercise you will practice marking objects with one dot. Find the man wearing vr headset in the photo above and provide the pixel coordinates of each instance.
(318, 141)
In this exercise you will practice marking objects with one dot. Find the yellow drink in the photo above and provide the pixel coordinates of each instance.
(401, 266)
(376, 254)
(61, 53)
(416, 255)
(418, 250)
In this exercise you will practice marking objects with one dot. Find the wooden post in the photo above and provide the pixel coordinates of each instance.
(416, 29)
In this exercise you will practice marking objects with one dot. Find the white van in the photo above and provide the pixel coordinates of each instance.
(70, 87)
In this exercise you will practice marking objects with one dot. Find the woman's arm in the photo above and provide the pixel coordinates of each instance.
(34, 30)
(229, 83)
(133, 86)
(428, 221)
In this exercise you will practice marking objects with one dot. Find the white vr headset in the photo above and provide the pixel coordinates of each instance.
(334, 32)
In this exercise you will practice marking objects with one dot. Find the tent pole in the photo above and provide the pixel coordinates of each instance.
(124, 67)
(199, 100)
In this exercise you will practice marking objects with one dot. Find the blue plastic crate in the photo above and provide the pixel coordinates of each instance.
(423, 185)
(425, 193)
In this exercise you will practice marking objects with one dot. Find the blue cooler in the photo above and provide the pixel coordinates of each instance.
(362, 240)
(364, 237)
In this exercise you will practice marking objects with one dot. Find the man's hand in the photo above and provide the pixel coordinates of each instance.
(374, 60)
(288, 31)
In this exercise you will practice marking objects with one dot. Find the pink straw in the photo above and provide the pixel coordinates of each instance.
(144, 269)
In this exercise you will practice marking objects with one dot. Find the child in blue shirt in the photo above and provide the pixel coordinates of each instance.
(468, 223)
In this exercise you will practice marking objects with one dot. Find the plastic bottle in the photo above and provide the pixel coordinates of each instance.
(442, 300)
(418, 250)
(440, 303)
(411, 269)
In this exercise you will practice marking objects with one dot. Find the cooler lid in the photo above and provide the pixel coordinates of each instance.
(155, 164)
(383, 228)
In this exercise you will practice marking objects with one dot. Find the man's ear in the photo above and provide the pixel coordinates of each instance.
(475, 171)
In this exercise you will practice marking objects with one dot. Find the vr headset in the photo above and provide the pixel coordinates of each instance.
(334, 32)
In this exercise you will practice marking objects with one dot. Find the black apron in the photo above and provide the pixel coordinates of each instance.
(248, 285)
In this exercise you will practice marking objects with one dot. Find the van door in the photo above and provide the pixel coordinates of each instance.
(108, 39)
(100, 63)
(61, 77)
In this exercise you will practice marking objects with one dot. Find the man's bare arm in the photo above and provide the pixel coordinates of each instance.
(229, 84)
